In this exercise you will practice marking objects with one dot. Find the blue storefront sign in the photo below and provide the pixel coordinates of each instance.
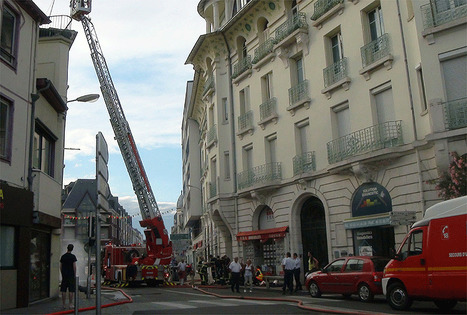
(371, 199)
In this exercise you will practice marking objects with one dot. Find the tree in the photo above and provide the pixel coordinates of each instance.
(453, 183)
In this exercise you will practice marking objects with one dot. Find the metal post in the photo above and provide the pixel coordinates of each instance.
(76, 295)
(98, 261)
(88, 292)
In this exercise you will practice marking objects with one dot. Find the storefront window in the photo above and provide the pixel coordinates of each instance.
(7, 247)
(40, 266)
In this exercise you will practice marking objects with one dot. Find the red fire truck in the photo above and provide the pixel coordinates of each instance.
(127, 263)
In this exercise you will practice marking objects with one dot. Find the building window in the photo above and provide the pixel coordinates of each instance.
(44, 149)
(9, 35)
(248, 157)
(301, 137)
(266, 87)
(244, 100)
(337, 50)
(6, 109)
(375, 22)
(298, 75)
(7, 247)
(271, 148)
(227, 165)
(342, 120)
(384, 103)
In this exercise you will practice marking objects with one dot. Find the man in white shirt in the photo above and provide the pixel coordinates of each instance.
(296, 272)
(288, 265)
(235, 269)
(181, 271)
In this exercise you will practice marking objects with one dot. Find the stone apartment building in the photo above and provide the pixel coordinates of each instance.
(314, 125)
(33, 94)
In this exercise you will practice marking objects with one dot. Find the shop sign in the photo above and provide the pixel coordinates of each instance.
(369, 199)
(367, 222)
(262, 235)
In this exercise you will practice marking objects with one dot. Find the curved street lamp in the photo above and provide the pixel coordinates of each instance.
(88, 98)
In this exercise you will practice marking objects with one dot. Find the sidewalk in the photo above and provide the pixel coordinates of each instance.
(54, 305)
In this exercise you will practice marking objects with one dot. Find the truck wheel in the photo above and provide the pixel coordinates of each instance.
(364, 293)
(445, 305)
(397, 297)
(314, 290)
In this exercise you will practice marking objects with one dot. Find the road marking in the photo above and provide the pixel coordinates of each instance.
(260, 302)
(174, 305)
(187, 293)
(217, 303)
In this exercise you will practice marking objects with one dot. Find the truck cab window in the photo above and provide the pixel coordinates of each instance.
(413, 245)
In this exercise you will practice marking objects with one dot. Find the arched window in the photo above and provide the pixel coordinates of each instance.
(241, 48)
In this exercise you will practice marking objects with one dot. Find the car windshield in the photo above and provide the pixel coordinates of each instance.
(380, 263)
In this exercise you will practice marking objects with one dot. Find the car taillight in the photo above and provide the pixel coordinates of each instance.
(376, 278)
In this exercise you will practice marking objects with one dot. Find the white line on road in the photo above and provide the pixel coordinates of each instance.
(178, 291)
(174, 305)
(217, 303)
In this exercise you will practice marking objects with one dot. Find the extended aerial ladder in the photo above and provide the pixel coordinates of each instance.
(158, 246)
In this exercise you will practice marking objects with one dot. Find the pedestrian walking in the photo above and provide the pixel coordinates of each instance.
(181, 271)
(235, 269)
(248, 275)
(288, 266)
(68, 270)
(296, 272)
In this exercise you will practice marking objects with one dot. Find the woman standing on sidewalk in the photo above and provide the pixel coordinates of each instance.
(248, 269)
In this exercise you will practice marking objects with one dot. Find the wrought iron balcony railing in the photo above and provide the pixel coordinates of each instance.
(323, 6)
(268, 109)
(288, 27)
(245, 121)
(211, 135)
(335, 72)
(304, 163)
(241, 66)
(455, 114)
(437, 13)
(263, 50)
(209, 84)
(385, 135)
(298, 92)
(375, 50)
(263, 174)
(212, 189)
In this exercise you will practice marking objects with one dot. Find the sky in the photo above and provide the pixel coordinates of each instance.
(145, 44)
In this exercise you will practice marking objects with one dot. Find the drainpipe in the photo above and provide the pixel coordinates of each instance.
(414, 125)
(232, 124)
(34, 98)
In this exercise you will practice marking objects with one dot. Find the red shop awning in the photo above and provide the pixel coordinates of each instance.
(262, 234)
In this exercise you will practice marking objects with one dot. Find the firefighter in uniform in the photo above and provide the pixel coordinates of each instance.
(203, 271)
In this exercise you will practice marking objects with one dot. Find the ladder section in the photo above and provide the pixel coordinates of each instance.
(123, 135)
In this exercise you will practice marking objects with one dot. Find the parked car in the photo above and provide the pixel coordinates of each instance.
(349, 275)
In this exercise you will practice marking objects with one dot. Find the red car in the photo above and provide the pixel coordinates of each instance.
(349, 275)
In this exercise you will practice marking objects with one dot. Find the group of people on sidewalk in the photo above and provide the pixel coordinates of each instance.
(291, 268)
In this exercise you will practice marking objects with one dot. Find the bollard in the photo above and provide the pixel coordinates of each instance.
(76, 295)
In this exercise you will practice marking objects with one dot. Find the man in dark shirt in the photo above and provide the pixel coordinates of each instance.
(68, 269)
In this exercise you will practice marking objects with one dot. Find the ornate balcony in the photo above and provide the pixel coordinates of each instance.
(208, 85)
(437, 13)
(211, 136)
(268, 112)
(297, 21)
(241, 69)
(335, 76)
(455, 114)
(263, 174)
(263, 50)
(212, 189)
(324, 9)
(298, 96)
(304, 163)
(385, 135)
(375, 54)
(245, 124)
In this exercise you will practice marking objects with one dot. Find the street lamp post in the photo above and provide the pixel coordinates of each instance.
(88, 98)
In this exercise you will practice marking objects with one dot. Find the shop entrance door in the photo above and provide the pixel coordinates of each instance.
(313, 226)
(39, 274)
